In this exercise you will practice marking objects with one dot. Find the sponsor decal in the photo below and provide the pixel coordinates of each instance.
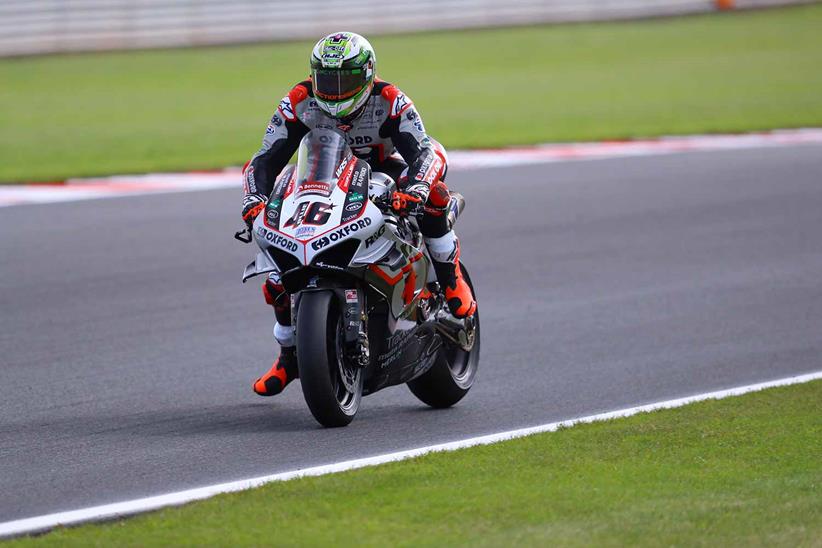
(290, 188)
(374, 237)
(276, 121)
(429, 169)
(286, 110)
(344, 127)
(340, 233)
(272, 216)
(305, 231)
(342, 167)
(400, 104)
(396, 347)
(358, 179)
(250, 184)
(355, 197)
(415, 119)
(351, 296)
(353, 207)
(276, 239)
(426, 163)
(314, 186)
(379, 112)
(360, 140)
(326, 265)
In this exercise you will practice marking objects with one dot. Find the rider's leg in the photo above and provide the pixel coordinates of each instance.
(444, 249)
(284, 369)
(442, 242)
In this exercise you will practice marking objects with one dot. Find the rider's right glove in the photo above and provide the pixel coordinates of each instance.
(405, 202)
(253, 204)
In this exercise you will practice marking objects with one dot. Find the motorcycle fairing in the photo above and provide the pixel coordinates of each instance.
(402, 351)
(400, 275)
(304, 222)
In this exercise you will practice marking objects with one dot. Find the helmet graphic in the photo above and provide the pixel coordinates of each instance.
(343, 67)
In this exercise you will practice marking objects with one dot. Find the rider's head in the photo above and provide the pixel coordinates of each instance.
(343, 67)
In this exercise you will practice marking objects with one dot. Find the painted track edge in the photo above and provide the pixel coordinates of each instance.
(44, 523)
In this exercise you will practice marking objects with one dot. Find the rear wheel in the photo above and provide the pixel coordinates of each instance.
(331, 386)
(452, 375)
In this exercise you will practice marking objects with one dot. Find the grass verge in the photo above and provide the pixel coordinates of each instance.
(741, 471)
(101, 113)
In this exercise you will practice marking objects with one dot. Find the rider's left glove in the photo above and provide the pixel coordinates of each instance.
(405, 203)
(253, 205)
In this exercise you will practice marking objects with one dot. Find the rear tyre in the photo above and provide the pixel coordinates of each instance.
(331, 387)
(452, 375)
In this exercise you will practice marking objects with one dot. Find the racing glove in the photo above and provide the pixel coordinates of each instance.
(405, 203)
(253, 204)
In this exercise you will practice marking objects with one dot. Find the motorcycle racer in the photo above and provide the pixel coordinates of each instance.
(384, 128)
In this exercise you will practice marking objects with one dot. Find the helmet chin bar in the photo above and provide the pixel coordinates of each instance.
(354, 115)
(333, 109)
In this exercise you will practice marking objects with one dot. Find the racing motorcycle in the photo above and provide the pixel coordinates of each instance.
(365, 301)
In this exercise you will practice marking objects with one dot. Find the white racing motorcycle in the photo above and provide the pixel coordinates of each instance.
(364, 297)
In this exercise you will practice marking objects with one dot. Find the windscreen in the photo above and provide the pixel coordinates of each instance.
(319, 157)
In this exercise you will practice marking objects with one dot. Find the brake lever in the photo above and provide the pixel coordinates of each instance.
(243, 235)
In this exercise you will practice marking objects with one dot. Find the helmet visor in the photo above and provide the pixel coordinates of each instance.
(338, 85)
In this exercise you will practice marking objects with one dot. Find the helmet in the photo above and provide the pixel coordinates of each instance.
(343, 68)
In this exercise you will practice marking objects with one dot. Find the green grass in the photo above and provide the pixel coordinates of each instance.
(104, 113)
(743, 471)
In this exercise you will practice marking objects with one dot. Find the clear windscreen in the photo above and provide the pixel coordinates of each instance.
(321, 153)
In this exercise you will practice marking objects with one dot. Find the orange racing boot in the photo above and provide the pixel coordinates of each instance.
(281, 373)
(458, 294)
(284, 369)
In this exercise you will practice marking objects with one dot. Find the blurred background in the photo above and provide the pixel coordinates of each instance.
(482, 73)
(48, 26)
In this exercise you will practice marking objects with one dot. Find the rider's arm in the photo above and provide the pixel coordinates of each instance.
(282, 137)
(425, 158)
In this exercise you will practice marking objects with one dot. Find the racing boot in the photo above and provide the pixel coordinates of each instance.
(281, 373)
(445, 255)
(284, 369)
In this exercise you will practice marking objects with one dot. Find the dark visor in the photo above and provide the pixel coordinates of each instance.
(338, 85)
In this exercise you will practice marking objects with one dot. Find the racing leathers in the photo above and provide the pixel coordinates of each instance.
(389, 134)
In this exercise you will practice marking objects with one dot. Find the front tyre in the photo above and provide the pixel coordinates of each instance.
(332, 388)
(452, 375)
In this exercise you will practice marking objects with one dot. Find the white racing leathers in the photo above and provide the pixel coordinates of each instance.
(389, 134)
(389, 123)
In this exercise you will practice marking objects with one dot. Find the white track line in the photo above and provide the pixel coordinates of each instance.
(458, 160)
(126, 508)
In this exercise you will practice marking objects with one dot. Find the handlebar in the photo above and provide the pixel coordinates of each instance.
(386, 206)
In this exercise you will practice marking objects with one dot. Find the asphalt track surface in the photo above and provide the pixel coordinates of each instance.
(128, 344)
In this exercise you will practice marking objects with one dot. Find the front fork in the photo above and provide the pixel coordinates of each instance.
(355, 320)
(356, 323)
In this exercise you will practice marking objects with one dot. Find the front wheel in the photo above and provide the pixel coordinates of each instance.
(452, 375)
(332, 388)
